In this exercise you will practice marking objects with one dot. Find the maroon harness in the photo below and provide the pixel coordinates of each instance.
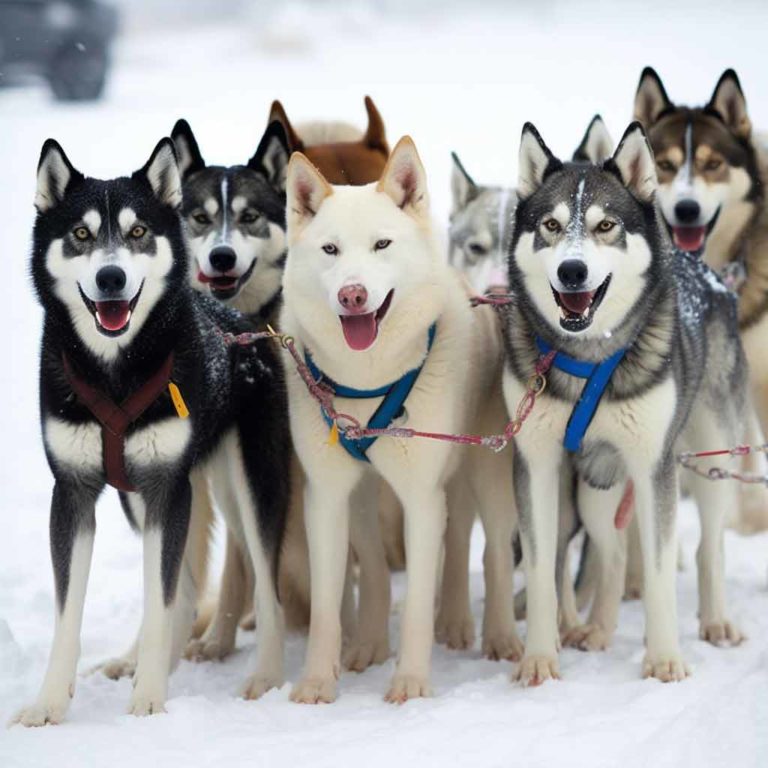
(115, 419)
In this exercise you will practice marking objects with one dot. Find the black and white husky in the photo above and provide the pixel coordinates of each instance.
(128, 344)
(648, 361)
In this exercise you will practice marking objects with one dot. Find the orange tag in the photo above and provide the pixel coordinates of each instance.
(333, 435)
(178, 401)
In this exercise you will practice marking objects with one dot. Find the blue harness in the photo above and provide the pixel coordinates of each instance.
(597, 375)
(390, 408)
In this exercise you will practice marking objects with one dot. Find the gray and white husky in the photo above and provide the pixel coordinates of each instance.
(597, 280)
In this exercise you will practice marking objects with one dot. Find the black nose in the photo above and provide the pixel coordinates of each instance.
(222, 258)
(572, 273)
(687, 211)
(110, 279)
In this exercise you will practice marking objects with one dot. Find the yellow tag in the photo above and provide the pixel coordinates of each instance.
(333, 435)
(178, 401)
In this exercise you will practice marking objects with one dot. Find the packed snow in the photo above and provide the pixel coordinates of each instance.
(456, 77)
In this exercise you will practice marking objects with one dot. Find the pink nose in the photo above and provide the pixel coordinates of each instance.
(353, 298)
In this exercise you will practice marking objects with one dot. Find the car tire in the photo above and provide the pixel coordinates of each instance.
(78, 72)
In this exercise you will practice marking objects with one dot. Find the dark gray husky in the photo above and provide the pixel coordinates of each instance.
(648, 362)
(137, 389)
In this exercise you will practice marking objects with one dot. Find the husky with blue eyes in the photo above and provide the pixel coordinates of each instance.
(647, 362)
(138, 390)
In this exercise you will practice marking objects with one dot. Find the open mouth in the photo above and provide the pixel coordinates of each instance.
(360, 331)
(693, 239)
(578, 309)
(112, 317)
(226, 286)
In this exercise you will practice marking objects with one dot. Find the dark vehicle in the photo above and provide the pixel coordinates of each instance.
(65, 41)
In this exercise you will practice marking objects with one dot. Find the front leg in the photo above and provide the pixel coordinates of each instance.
(655, 503)
(165, 533)
(72, 529)
(327, 519)
(536, 489)
(425, 515)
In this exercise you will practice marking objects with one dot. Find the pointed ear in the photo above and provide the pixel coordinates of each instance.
(54, 174)
(375, 135)
(162, 173)
(463, 188)
(597, 144)
(305, 189)
(276, 112)
(729, 102)
(405, 180)
(272, 155)
(536, 162)
(651, 99)
(633, 163)
(187, 151)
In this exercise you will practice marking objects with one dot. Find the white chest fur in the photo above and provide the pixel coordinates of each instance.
(79, 445)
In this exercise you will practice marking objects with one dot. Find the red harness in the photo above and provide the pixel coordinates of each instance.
(115, 419)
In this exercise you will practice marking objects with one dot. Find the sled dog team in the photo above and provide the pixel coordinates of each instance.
(637, 279)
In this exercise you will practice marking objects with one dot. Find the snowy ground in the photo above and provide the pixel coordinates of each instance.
(454, 80)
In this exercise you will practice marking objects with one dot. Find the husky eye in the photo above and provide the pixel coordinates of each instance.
(380, 245)
(606, 225)
(666, 166)
(331, 249)
(248, 217)
(82, 233)
(552, 225)
(138, 231)
(713, 164)
(201, 218)
(477, 250)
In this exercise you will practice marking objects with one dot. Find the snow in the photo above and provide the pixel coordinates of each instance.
(456, 81)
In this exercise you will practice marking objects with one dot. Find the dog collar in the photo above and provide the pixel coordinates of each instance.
(116, 418)
(597, 375)
(390, 408)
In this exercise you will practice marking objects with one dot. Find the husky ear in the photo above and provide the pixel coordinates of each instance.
(634, 164)
(597, 144)
(272, 155)
(162, 173)
(536, 162)
(651, 99)
(305, 188)
(187, 151)
(729, 102)
(375, 135)
(405, 180)
(54, 174)
(463, 188)
(276, 112)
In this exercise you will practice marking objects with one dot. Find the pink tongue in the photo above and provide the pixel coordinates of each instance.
(359, 330)
(689, 238)
(576, 302)
(113, 315)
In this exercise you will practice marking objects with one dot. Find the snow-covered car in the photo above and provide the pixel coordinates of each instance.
(65, 41)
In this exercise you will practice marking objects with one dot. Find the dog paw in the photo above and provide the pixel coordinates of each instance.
(587, 637)
(207, 650)
(721, 633)
(145, 702)
(257, 685)
(501, 645)
(314, 690)
(115, 669)
(667, 669)
(404, 687)
(455, 632)
(44, 712)
(535, 670)
(361, 654)
(248, 622)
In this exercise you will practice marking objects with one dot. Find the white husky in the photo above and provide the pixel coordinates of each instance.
(365, 284)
